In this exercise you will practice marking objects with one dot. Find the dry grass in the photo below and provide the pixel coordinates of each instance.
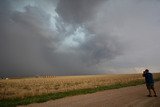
(13, 88)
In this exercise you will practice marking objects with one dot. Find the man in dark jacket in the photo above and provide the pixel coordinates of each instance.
(149, 82)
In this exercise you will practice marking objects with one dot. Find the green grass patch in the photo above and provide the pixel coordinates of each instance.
(53, 96)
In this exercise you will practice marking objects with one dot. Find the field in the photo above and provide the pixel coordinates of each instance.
(24, 87)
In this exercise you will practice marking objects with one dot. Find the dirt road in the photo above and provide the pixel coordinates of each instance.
(134, 96)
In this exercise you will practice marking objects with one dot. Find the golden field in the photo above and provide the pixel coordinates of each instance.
(23, 87)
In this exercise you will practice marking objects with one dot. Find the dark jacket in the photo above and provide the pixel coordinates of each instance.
(149, 78)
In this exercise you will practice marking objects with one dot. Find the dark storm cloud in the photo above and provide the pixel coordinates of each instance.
(78, 11)
(67, 37)
(101, 46)
(123, 31)
(31, 47)
(28, 44)
(24, 46)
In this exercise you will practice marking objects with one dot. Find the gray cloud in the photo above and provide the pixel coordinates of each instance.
(23, 43)
(99, 45)
(70, 37)
(136, 23)
(75, 11)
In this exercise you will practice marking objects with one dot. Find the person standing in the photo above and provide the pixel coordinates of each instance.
(149, 82)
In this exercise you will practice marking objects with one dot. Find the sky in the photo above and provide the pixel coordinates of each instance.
(79, 37)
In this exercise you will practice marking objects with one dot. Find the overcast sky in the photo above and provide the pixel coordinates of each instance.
(74, 37)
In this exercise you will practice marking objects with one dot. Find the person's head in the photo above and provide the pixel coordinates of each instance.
(146, 71)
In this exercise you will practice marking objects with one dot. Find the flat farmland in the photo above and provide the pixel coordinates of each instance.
(24, 87)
